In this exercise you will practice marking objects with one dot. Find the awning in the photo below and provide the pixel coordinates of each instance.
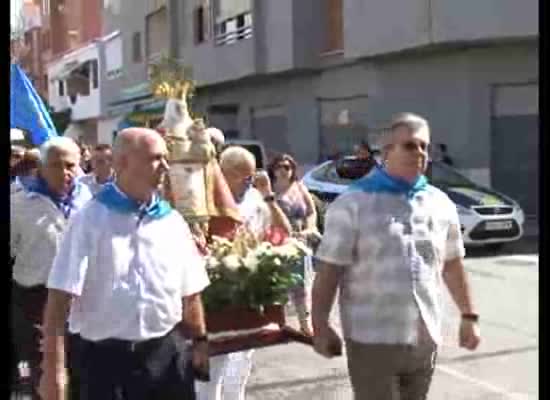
(68, 69)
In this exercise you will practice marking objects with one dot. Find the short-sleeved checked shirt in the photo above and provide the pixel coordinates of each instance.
(392, 248)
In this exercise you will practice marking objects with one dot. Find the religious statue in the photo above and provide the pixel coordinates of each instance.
(195, 185)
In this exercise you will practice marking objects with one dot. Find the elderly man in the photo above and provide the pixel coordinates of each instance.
(389, 244)
(256, 202)
(127, 273)
(38, 220)
(102, 168)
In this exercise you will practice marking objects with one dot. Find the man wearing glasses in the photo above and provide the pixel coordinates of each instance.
(389, 244)
(102, 168)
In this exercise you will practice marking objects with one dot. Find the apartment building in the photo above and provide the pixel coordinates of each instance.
(313, 77)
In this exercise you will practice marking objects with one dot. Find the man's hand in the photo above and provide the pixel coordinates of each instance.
(53, 383)
(200, 360)
(469, 335)
(327, 343)
(262, 183)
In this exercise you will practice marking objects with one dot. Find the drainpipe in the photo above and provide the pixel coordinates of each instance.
(430, 23)
(175, 17)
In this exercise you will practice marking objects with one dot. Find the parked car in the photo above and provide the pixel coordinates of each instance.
(486, 216)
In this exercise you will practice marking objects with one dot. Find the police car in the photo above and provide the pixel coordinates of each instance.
(486, 216)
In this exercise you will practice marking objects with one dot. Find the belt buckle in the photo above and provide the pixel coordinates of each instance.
(133, 346)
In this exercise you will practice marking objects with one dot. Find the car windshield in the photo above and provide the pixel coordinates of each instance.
(440, 174)
(343, 171)
(347, 170)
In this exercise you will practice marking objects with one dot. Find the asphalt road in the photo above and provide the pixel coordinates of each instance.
(505, 286)
(505, 366)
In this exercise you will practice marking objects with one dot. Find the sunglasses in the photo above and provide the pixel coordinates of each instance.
(413, 146)
(286, 167)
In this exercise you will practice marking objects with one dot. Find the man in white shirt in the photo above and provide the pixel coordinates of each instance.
(390, 243)
(256, 202)
(126, 268)
(38, 218)
(102, 168)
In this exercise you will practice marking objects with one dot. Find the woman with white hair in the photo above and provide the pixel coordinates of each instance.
(38, 218)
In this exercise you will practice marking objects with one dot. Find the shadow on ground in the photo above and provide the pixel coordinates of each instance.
(526, 245)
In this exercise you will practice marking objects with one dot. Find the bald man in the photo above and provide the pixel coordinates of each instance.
(125, 268)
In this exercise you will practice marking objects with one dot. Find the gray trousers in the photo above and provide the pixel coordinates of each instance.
(390, 372)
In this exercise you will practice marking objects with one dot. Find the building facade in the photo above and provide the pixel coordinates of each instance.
(313, 77)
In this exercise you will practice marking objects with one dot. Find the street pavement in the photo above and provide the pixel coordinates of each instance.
(505, 366)
(505, 287)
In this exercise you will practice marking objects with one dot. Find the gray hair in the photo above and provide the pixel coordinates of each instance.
(413, 122)
(236, 156)
(59, 143)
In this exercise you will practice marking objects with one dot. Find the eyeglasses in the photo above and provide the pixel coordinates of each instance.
(413, 146)
(286, 167)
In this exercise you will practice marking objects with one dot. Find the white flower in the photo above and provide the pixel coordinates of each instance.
(232, 262)
(251, 262)
(264, 248)
(277, 261)
(300, 246)
(212, 262)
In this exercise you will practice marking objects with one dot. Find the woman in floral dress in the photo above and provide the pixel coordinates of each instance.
(296, 202)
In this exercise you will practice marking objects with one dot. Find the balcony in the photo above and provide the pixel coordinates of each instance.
(73, 82)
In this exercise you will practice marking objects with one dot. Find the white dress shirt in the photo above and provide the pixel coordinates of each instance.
(36, 228)
(255, 212)
(128, 275)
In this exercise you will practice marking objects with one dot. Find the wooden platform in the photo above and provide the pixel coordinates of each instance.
(264, 338)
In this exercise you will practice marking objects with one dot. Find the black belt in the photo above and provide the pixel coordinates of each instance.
(128, 345)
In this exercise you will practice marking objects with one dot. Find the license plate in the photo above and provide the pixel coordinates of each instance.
(498, 225)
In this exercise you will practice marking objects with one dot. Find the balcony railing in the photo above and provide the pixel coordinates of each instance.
(233, 29)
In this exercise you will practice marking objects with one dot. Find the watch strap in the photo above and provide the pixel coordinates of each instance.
(470, 317)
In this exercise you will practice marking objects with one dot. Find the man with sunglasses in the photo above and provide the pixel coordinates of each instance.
(102, 168)
(390, 243)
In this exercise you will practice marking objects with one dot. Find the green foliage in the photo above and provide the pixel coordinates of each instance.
(265, 284)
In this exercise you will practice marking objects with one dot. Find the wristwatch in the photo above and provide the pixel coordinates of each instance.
(199, 339)
(470, 317)
(269, 198)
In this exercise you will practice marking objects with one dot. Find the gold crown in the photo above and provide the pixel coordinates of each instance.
(169, 79)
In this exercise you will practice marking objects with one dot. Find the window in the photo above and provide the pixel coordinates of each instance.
(334, 35)
(61, 88)
(95, 74)
(156, 30)
(200, 21)
(233, 21)
(137, 55)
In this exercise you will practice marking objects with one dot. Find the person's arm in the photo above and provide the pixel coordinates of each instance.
(53, 381)
(311, 218)
(278, 217)
(335, 254)
(193, 315)
(456, 281)
(324, 289)
(454, 276)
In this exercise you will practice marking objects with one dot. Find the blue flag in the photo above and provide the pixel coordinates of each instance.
(27, 110)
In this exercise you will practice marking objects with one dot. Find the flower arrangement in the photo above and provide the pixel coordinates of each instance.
(247, 273)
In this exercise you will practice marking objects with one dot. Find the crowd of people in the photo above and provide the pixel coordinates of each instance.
(107, 276)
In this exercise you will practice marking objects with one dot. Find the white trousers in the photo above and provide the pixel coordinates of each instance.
(229, 374)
